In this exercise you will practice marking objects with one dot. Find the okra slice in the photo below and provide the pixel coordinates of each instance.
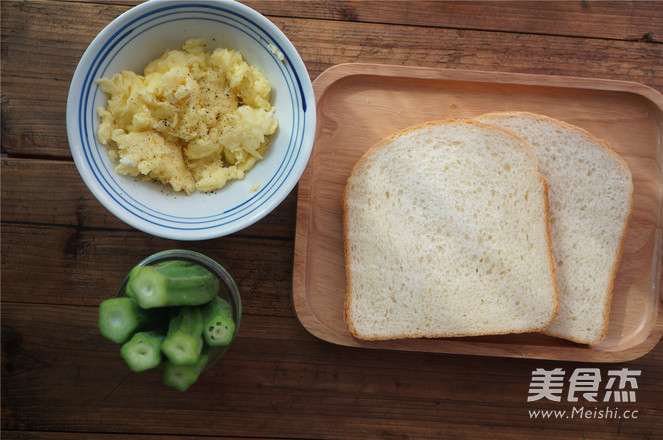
(180, 268)
(184, 340)
(173, 284)
(120, 317)
(218, 323)
(181, 377)
(143, 351)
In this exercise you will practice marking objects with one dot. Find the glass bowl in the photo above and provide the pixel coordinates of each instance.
(228, 289)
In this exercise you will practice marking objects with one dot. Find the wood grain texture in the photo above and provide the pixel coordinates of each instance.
(52, 264)
(628, 21)
(25, 200)
(27, 435)
(274, 380)
(62, 252)
(40, 55)
(35, 62)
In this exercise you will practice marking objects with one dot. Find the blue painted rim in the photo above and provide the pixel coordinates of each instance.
(252, 206)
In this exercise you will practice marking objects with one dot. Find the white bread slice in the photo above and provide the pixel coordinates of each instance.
(591, 199)
(446, 234)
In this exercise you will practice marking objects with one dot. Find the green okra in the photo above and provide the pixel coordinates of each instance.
(184, 340)
(218, 323)
(172, 283)
(120, 317)
(181, 377)
(143, 351)
(179, 268)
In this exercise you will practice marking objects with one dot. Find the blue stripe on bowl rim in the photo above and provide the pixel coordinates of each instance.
(241, 210)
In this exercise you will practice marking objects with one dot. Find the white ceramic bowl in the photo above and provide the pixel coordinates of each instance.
(144, 33)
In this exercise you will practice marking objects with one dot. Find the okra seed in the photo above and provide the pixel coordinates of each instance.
(116, 320)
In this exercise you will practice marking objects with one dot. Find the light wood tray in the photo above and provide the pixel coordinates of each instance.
(360, 104)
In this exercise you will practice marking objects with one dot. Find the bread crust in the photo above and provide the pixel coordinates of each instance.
(600, 143)
(346, 245)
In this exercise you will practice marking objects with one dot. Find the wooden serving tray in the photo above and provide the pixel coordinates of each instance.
(360, 104)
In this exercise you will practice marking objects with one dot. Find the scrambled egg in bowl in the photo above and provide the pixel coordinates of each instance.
(194, 120)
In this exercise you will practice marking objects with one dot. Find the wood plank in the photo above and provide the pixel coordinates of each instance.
(30, 435)
(25, 200)
(629, 20)
(37, 69)
(472, 50)
(276, 378)
(321, 43)
(70, 239)
(86, 266)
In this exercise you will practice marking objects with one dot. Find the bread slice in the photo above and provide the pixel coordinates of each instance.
(446, 234)
(591, 198)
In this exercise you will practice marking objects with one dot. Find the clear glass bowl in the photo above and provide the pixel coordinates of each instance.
(228, 290)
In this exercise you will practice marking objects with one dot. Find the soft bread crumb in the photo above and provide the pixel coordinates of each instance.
(446, 234)
(590, 193)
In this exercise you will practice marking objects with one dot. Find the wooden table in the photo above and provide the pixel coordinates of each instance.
(62, 252)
